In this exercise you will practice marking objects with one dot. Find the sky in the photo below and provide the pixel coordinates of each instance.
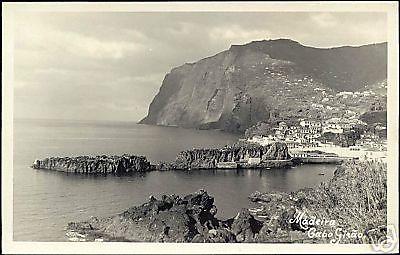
(109, 66)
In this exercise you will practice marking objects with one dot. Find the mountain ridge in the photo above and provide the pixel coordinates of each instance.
(263, 81)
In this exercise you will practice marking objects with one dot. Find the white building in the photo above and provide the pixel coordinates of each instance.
(345, 93)
(262, 140)
(332, 128)
(310, 123)
(254, 161)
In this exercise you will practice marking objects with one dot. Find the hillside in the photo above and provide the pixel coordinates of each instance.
(269, 81)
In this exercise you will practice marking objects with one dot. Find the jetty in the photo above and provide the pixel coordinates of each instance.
(318, 157)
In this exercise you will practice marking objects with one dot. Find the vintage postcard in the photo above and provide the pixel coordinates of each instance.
(212, 127)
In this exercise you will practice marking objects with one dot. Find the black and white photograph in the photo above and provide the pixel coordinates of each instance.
(213, 127)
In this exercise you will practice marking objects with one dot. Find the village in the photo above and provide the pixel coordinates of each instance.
(334, 137)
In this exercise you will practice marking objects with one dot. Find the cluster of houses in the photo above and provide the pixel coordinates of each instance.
(347, 94)
(330, 101)
(307, 132)
(370, 141)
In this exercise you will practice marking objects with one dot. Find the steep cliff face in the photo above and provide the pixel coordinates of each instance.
(262, 81)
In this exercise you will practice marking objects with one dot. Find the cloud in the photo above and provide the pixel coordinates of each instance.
(110, 65)
(45, 38)
(94, 48)
(237, 35)
(324, 19)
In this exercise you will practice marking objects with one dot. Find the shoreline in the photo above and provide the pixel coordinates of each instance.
(345, 152)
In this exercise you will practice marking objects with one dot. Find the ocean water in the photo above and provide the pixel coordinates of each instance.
(45, 201)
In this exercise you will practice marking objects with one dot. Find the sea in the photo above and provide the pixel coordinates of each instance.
(45, 201)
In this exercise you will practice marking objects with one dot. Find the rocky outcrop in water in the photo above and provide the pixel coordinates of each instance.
(190, 159)
(118, 165)
(209, 158)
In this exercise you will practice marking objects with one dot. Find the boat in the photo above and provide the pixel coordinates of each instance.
(255, 210)
(321, 174)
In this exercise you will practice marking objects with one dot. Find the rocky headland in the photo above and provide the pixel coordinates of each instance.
(355, 199)
(269, 81)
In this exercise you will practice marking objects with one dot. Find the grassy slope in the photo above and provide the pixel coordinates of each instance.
(355, 198)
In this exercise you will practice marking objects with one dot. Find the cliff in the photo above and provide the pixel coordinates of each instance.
(118, 165)
(263, 81)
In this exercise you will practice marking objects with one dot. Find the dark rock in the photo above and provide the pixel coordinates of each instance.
(244, 226)
(209, 158)
(169, 219)
(118, 165)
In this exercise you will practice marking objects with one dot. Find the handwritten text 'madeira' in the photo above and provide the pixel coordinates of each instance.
(305, 223)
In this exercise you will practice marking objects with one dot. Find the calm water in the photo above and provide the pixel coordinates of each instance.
(45, 201)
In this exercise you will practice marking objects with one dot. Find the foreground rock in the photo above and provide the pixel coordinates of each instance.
(169, 219)
(355, 199)
(119, 165)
